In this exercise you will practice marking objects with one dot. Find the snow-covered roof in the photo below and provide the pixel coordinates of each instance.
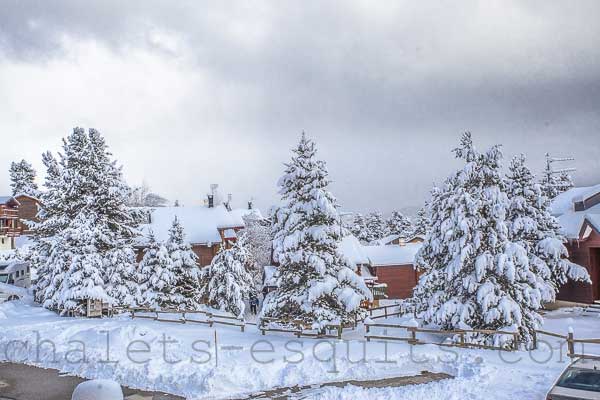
(351, 248)
(389, 239)
(6, 199)
(27, 195)
(383, 255)
(571, 221)
(200, 223)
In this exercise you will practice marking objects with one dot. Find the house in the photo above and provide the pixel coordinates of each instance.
(9, 222)
(29, 207)
(578, 212)
(400, 240)
(206, 227)
(394, 266)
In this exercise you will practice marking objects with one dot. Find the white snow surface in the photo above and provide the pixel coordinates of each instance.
(479, 374)
(570, 220)
(392, 254)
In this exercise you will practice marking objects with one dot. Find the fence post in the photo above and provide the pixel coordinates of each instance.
(367, 327)
(516, 342)
(462, 339)
(339, 331)
(385, 312)
(413, 336)
(535, 340)
(571, 345)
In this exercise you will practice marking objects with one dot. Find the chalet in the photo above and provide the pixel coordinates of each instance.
(578, 211)
(394, 266)
(400, 240)
(206, 227)
(29, 207)
(9, 222)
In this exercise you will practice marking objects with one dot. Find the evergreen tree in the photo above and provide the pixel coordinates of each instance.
(22, 177)
(84, 278)
(316, 283)
(532, 225)
(359, 229)
(421, 223)
(84, 184)
(376, 226)
(156, 275)
(474, 276)
(227, 282)
(398, 224)
(185, 269)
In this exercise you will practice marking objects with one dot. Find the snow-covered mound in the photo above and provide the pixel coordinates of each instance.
(99, 389)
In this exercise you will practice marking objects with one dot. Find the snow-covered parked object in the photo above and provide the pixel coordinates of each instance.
(15, 272)
(98, 389)
(317, 284)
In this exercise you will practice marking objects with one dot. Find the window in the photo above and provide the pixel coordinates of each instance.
(581, 379)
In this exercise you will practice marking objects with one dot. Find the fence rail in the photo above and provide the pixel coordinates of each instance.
(210, 318)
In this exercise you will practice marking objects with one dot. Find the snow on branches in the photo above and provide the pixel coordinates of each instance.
(316, 283)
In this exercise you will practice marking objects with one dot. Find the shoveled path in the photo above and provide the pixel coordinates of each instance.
(298, 391)
(24, 382)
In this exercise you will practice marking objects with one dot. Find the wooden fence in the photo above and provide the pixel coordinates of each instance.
(186, 316)
(300, 329)
(386, 313)
(571, 342)
(461, 333)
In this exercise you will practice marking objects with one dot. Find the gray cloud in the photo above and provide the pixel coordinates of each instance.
(220, 92)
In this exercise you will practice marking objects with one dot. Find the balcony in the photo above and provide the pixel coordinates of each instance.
(7, 213)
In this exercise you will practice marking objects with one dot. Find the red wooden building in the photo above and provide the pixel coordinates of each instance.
(578, 211)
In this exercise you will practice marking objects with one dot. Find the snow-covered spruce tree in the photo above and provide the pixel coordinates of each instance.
(121, 273)
(22, 177)
(316, 283)
(376, 226)
(186, 290)
(83, 181)
(156, 275)
(226, 281)
(474, 276)
(531, 224)
(421, 222)
(259, 244)
(399, 224)
(84, 278)
(359, 229)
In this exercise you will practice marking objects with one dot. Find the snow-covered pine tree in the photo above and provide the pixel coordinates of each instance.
(474, 276)
(226, 281)
(421, 222)
(156, 275)
(84, 278)
(376, 226)
(259, 243)
(399, 224)
(531, 224)
(22, 177)
(359, 228)
(316, 283)
(122, 276)
(84, 181)
(186, 290)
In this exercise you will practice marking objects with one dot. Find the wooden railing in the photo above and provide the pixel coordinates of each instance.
(386, 313)
(300, 329)
(461, 333)
(185, 316)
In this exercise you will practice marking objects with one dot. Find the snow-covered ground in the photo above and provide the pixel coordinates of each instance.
(184, 360)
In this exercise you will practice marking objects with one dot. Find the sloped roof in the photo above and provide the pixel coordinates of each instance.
(201, 224)
(351, 248)
(571, 221)
(392, 255)
(6, 199)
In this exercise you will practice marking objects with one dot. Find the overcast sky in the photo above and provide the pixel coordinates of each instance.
(190, 93)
